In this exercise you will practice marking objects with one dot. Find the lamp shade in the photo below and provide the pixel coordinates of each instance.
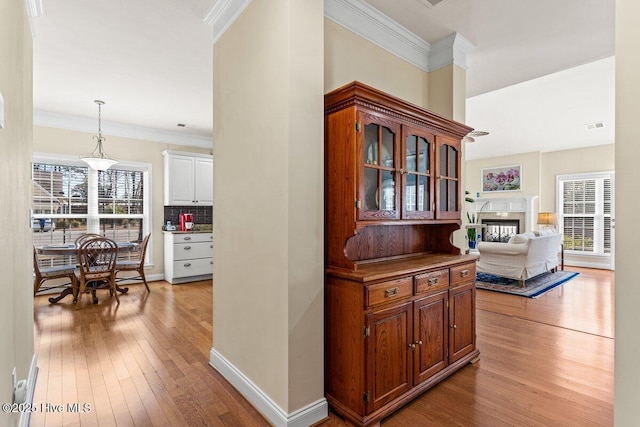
(547, 218)
(99, 163)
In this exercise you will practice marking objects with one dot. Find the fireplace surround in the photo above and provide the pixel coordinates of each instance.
(505, 211)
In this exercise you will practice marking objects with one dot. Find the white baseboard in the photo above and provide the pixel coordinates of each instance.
(303, 417)
(25, 416)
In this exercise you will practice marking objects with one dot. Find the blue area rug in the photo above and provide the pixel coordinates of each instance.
(534, 287)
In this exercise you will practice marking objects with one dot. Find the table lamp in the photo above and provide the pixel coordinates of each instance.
(547, 220)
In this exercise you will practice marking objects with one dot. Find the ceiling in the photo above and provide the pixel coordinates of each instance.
(151, 60)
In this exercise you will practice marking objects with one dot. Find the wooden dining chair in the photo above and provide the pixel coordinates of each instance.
(44, 273)
(97, 267)
(136, 264)
(84, 237)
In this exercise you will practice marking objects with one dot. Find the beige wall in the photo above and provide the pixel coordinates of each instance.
(591, 159)
(447, 92)
(531, 167)
(539, 171)
(16, 304)
(349, 57)
(268, 226)
(77, 144)
(627, 153)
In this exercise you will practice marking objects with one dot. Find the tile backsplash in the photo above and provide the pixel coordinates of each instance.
(201, 214)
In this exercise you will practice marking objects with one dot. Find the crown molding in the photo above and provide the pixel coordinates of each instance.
(376, 27)
(222, 14)
(452, 49)
(83, 124)
(372, 25)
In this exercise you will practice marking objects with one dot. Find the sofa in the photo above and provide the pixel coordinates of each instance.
(525, 256)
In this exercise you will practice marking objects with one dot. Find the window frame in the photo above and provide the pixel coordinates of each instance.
(598, 216)
(144, 167)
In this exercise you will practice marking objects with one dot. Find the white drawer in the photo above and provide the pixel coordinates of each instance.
(192, 237)
(182, 251)
(192, 267)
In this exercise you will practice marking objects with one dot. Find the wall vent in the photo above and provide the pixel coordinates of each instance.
(592, 126)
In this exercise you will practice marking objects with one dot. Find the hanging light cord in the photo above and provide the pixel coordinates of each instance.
(99, 138)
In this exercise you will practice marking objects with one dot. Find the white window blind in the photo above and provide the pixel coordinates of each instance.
(585, 212)
(63, 189)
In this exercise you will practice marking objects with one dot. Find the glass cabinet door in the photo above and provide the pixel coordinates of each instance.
(378, 189)
(448, 178)
(417, 174)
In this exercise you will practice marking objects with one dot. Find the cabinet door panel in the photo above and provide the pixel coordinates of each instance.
(431, 331)
(388, 355)
(462, 320)
(417, 173)
(448, 196)
(204, 181)
(378, 193)
(181, 182)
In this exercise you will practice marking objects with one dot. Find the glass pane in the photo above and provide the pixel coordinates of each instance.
(453, 196)
(453, 162)
(371, 144)
(122, 229)
(410, 153)
(443, 161)
(120, 192)
(410, 195)
(370, 202)
(64, 231)
(423, 155)
(59, 189)
(443, 195)
(386, 155)
(423, 193)
(388, 196)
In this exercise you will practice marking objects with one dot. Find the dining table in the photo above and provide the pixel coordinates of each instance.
(71, 250)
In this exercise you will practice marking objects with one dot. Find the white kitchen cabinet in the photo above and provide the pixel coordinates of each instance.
(188, 179)
(187, 257)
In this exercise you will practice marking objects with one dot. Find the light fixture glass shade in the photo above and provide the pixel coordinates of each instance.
(99, 163)
(547, 218)
(98, 160)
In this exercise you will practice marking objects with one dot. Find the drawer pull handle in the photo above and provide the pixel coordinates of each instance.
(433, 281)
(464, 273)
(412, 345)
(391, 292)
(186, 248)
(187, 238)
(187, 264)
(454, 326)
(211, 246)
(419, 342)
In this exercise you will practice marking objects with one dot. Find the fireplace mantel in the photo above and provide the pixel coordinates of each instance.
(522, 204)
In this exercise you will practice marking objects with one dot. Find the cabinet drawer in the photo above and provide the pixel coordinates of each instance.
(183, 251)
(192, 237)
(463, 273)
(430, 281)
(388, 291)
(192, 267)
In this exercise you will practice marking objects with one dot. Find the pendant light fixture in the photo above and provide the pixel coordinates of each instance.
(98, 160)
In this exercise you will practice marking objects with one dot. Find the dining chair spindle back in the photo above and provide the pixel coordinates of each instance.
(97, 262)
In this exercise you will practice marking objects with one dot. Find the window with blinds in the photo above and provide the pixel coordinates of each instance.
(586, 212)
(65, 195)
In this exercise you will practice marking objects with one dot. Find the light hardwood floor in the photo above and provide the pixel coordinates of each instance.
(545, 361)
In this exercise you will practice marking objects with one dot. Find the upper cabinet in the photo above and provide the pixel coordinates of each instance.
(188, 178)
(388, 163)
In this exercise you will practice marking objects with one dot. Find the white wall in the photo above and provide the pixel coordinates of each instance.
(16, 304)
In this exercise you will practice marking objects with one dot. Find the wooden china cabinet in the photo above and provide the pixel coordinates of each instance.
(399, 297)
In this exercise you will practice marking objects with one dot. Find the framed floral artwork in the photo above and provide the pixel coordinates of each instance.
(504, 178)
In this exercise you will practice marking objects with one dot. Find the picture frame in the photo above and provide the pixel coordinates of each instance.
(501, 179)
